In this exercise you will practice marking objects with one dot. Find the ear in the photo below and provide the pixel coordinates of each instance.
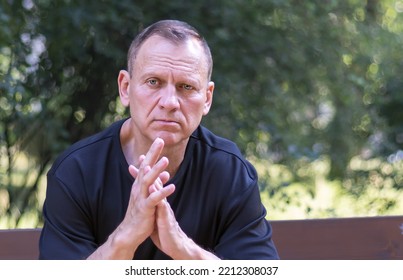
(209, 98)
(124, 86)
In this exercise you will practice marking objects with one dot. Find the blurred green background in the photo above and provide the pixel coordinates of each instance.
(311, 91)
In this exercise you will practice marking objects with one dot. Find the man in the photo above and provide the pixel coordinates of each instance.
(157, 185)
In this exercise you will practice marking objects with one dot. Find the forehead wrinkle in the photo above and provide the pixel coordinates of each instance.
(157, 55)
(160, 64)
(187, 64)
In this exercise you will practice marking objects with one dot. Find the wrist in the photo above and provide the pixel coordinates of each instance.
(192, 251)
(121, 244)
(116, 247)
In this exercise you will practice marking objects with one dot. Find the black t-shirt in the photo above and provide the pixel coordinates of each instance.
(216, 201)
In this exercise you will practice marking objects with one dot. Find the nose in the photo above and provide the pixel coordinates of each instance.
(169, 98)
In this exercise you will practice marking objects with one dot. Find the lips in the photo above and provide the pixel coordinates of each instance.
(166, 122)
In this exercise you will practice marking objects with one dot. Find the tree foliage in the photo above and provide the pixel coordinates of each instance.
(296, 82)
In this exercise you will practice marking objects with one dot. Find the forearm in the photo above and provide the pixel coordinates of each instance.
(119, 246)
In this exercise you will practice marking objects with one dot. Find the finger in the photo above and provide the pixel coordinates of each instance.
(140, 182)
(165, 211)
(133, 171)
(153, 153)
(158, 184)
(160, 195)
(164, 176)
(148, 176)
(152, 189)
(141, 158)
(159, 181)
(139, 174)
(153, 175)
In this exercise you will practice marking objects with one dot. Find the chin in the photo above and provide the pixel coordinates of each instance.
(171, 139)
(168, 137)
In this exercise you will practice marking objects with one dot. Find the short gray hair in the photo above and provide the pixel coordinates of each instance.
(174, 30)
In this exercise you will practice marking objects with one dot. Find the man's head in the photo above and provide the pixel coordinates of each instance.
(167, 86)
(175, 31)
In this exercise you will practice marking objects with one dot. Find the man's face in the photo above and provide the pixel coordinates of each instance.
(168, 92)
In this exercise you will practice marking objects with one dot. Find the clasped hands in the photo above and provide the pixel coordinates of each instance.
(148, 211)
(150, 215)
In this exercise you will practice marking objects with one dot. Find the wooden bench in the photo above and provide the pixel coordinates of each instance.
(367, 238)
(370, 238)
(19, 244)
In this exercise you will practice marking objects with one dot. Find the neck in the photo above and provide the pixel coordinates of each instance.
(133, 147)
(175, 156)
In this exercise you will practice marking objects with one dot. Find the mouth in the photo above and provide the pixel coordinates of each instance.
(166, 122)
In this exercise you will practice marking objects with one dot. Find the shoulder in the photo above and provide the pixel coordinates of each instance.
(222, 154)
(88, 149)
(205, 137)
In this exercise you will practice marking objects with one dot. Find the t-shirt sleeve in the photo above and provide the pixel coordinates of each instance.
(247, 234)
(67, 232)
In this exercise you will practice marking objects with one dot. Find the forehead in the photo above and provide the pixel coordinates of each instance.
(159, 52)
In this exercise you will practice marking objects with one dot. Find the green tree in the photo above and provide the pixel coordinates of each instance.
(296, 83)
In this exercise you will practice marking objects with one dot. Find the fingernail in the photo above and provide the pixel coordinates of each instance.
(159, 139)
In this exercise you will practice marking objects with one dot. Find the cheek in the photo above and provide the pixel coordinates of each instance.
(193, 111)
(139, 107)
(141, 101)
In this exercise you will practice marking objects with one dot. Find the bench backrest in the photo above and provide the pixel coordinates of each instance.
(320, 239)
(375, 238)
(19, 244)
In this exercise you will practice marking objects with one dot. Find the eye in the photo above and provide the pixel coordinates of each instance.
(152, 82)
(187, 87)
